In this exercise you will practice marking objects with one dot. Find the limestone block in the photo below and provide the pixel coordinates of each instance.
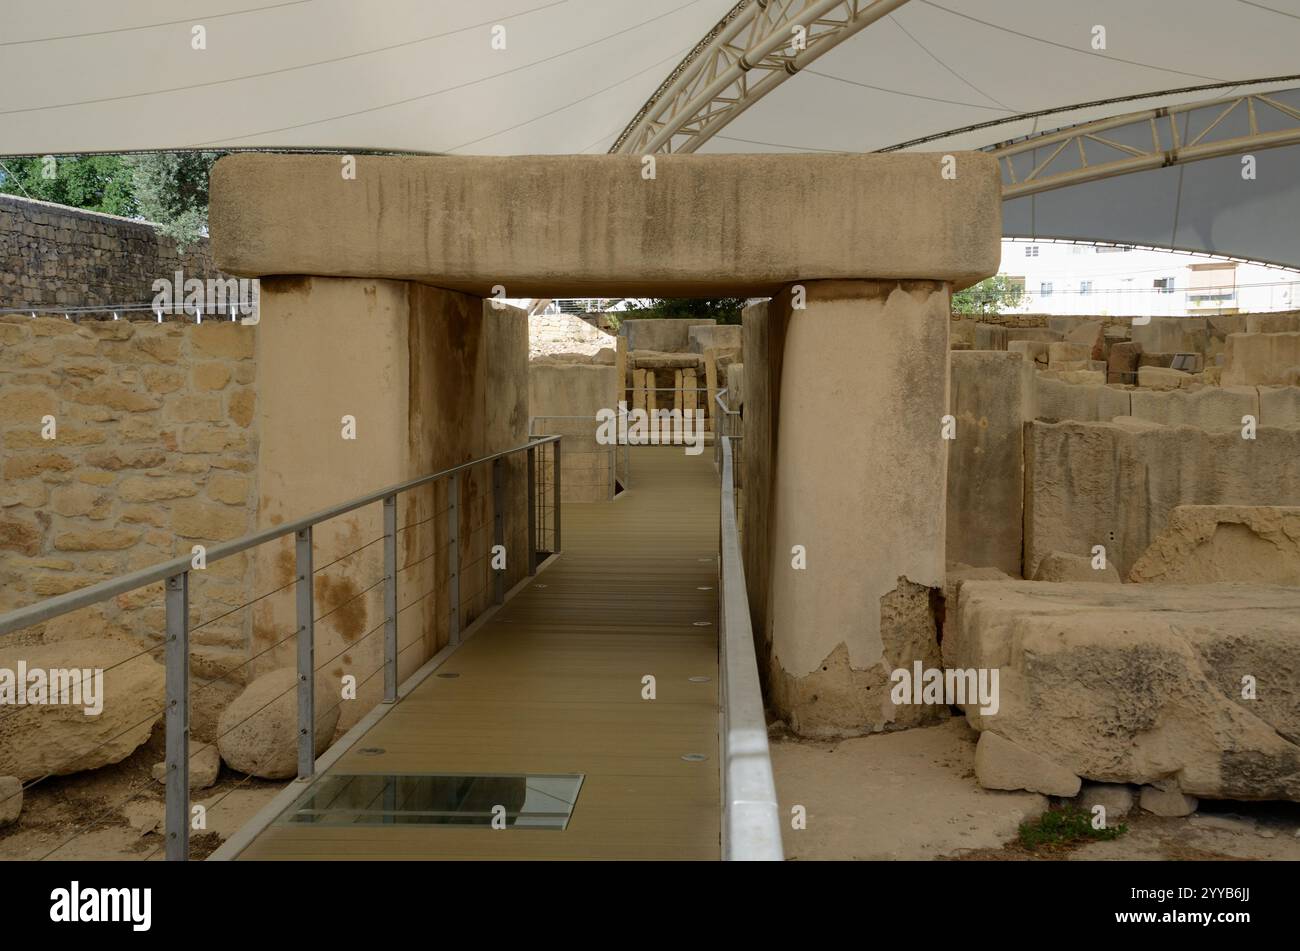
(1064, 352)
(1142, 684)
(1162, 378)
(258, 732)
(702, 337)
(1271, 324)
(1116, 798)
(1116, 483)
(1001, 764)
(1063, 566)
(1203, 544)
(40, 739)
(1059, 399)
(1169, 803)
(665, 334)
(1122, 362)
(991, 395)
(1262, 359)
(1279, 405)
(741, 225)
(1034, 351)
(1217, 409)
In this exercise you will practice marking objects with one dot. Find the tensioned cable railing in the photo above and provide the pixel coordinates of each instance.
(175, 576)
(751, 820)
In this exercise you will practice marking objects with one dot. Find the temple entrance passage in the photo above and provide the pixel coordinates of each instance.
(552, 687)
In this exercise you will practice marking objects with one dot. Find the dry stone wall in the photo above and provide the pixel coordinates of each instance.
(153, 451)
(53, 256)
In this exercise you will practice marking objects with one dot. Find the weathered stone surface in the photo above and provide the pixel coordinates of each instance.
(1279, 405)
(193, 518)
(1162, 378)
(1057, 399)
(229, 488)
(1063, 566)
(1001, 764)
(1066, 352)
(11, 800)
(991, 395)
(1217, 409)
(36, 740)
(719, 223)
(1116, 798)
(205, 764)
(96, 539)
(1262, 359)
(1142, 684)
(242, 406)
(152, 489)
(1170, 803)
(1208, 543)
(20, 535)
(1122, 362)
(211, 376)
(1115, 484)
(258, 732)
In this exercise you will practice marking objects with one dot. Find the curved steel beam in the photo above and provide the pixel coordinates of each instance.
(1106, 148)
(751, 53)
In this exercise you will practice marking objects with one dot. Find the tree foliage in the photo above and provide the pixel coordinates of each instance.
(168, 188)
(726, 310)
(990, 296)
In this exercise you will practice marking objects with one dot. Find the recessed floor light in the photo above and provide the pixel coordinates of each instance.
(694, 757)
(699, 679)
(371, 750)
(701, 623)
(704, 587)
(449, 676)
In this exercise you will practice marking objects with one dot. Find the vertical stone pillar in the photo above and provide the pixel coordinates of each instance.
(859, 477)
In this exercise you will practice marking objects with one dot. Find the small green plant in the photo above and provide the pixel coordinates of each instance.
(1060, 828)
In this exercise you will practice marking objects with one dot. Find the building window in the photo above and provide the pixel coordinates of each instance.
(1085, 287)
(1045, 289)
(1165, 285)
(1031, 250)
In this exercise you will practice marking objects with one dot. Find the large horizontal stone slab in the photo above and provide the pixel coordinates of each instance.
(1192, 687)
(574, 225)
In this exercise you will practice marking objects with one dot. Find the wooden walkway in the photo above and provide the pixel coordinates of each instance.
(552, 684)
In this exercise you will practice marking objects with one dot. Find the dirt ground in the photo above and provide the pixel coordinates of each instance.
(913, 795)
(117, 813)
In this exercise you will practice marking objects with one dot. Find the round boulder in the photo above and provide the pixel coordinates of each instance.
(258, 732)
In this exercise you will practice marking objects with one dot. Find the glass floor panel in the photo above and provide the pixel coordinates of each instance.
(535, 801)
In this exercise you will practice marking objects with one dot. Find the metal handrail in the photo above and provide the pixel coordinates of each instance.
(93, 594)
(175, 576)
(751, 821)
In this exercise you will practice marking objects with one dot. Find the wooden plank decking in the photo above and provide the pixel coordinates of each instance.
(552, 684)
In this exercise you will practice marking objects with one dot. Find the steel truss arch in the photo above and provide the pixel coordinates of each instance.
(751, 52)
(1106, 148)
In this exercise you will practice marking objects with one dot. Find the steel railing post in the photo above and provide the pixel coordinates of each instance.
(177, 719)
(390, 599)
(532, 510)
(555, 548)
(453, 539)
(498, 528)
(306, 652)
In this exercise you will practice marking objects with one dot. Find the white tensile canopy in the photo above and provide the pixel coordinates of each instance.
(556, 76)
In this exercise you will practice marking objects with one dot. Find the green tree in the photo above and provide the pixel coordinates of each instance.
(726, 310)
(95, 182)
(167, 188)
(989, 296)
(171, 188)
